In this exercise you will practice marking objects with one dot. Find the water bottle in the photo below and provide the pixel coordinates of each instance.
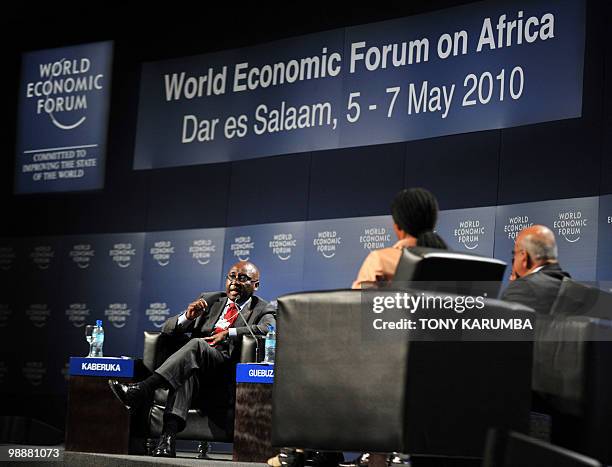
(98, 339)
(270, 345)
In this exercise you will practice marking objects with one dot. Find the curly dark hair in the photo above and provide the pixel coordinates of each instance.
(415, 211)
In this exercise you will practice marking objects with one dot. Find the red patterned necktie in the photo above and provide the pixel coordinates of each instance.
(228, 319)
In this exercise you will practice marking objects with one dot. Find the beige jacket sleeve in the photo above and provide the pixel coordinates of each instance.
(379, 265)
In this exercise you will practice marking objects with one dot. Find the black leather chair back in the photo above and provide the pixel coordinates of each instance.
(336, 390)
(434, 269)
(575, 298)
(572, 377)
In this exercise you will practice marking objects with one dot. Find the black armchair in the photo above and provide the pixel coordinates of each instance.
(572, 381)
(216, 422)
(336, 390)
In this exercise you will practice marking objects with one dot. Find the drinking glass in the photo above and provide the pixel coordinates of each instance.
(90, 338)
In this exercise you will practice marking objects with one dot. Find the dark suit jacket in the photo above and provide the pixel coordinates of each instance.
(258, 315)
(537, 290)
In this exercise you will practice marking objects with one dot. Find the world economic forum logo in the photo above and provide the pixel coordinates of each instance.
(162, 252)
(469, 232)
(117, 314)
(63, 118)
(34, 372)
(202, 250)
(242, 247)
(122, 254)
(81, 255)
(77, 314)
(327, 242)
(7, 257)
(375, 238)
(62, 84)
(158, 313)
(570, 224)
(282, 245)
(42, 256)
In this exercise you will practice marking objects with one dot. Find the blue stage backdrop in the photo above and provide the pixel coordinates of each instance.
(276, 249)
(178, 267)
(101, 279)
(573, 221)
(39, 308)
(335, 248)
(604, 254)
(476, 67)
(12, 327)
(54, 286)
(63, 118)
(471, 230)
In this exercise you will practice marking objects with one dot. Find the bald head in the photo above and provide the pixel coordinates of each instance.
(539, 242)
(248, 268)
(535, 246)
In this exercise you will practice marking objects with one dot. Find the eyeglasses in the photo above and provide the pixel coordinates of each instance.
(242, 278)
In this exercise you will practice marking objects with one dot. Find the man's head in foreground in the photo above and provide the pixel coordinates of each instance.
(534, 247)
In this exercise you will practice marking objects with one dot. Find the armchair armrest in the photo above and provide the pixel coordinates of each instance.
(158, 347)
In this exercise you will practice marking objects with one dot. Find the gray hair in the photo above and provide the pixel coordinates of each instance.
(541, 246)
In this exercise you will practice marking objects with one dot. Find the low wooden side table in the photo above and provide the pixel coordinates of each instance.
(253, 419)
(96, 421)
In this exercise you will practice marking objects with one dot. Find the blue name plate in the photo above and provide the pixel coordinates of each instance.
(106, 366)
(254, 373)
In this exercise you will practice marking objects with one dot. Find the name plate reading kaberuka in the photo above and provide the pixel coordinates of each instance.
(105, 366)
(254, 373)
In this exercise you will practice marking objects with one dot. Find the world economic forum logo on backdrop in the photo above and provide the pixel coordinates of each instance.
(78, 314)
(157, 313)
(282, 245)
(63, 118)
(570, 225)
(82, 255)
(122, 254)
(7, 257)
(202, 250)
(161, 252)
(327, 242)
(42, 256)
(468, 232)
(117, 314)
(34, 372)
(242, 247)
(5, 314)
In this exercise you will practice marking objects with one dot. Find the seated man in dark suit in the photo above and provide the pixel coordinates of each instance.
(216, 322)
(536, 274)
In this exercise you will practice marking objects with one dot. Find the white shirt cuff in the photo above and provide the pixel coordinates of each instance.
(182, 319)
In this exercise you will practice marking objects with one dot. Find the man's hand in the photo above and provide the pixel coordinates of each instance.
(195, 309)
(219, 337)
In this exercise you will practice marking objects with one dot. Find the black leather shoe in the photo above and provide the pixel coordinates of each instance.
(323, 459)
(130, 395)
(288, 457)
(362, 461)
(203, 450)
(166, 446)
(399, 459)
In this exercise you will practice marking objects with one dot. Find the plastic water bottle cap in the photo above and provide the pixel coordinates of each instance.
(99, 323)
(271, 327)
